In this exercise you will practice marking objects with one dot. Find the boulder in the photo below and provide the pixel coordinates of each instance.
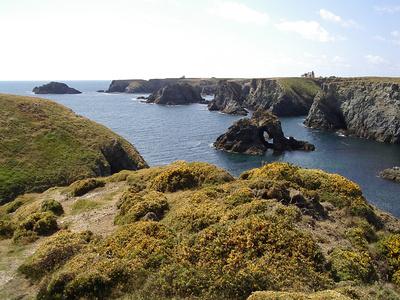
(55, 88)
(256, 135)
(391, 174)
(176, 94)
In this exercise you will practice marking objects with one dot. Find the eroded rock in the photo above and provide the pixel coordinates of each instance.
(258, 134)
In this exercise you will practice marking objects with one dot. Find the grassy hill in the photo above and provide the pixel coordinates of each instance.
(192, 231)
(45, 144)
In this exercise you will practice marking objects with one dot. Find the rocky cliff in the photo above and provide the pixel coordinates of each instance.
(55, 88)
(206, 86)
(258, 134)
(281, 96)
(229, 98)
(44, 144)
(363, 107)
(176, 94)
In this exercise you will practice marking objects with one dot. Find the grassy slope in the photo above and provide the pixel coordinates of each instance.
(45, 144)
(304, 87)
(216, 238)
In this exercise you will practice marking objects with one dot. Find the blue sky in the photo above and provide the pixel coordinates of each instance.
(88, 39)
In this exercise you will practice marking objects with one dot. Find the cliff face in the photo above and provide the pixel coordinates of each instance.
(282, 96)
(229, 98)
(207, 86)
(44, 144)
(176, 94)
(362, 107)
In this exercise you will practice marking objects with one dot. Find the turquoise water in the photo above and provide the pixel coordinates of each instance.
(164, 134)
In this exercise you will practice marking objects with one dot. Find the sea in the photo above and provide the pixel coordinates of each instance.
(164, 134)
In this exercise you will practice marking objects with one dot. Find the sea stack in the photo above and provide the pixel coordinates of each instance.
(256, 135)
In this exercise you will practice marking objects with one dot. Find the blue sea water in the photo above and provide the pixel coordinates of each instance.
(164, 134)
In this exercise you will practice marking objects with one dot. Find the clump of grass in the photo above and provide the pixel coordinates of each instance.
(328, 294)
(133, 206)
(52, 206)
(352, 265)
(37, 224)
(389, 248)
(54, 253)
(182, 176)
(81, 187)
(82, 205)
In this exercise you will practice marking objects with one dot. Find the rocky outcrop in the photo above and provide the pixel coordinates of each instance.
(206, 86)
(176, 94)
(55, 88)
(258, 134)
(282, 96)
(229, 98)
(391, 174)
(367, 108)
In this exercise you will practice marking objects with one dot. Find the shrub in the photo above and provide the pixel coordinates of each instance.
(52, 206)
(14, 205)
(81, 187)
(133, 207)
(361, 235)
(182, 176)
(54, 253)
(6, 228)
(389, 248)
(352, 265)
(43, 223)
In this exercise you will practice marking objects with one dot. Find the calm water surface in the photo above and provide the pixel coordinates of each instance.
(164, 134)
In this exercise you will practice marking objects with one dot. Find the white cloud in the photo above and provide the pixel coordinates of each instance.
(375, 59)
(310, 30)
(238, 12)
(331, 17)
(388, 9)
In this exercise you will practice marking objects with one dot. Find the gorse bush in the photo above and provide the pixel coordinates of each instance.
(52, 206)
(191, 231)
(81, 187)
(43, 223)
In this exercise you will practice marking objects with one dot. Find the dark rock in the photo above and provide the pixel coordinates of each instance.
(365, 108)
(176, 94)
(55, 88)
(142, 98)
(258, 134)
(150, 216)
(101, 91)
(272, 95)
(391, 174)
(228, 98)
(118, 86)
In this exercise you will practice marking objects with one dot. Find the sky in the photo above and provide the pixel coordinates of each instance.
(125, 39)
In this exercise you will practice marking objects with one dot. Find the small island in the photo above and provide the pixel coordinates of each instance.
(55, 88)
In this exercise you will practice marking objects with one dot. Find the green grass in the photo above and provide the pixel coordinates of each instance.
(44, 144)
(305, 87)
(82, 205)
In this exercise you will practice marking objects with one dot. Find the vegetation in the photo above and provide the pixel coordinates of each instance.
(52, 206)
(44, 144)
(81, 187)
(304, 87)
(191, 231)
